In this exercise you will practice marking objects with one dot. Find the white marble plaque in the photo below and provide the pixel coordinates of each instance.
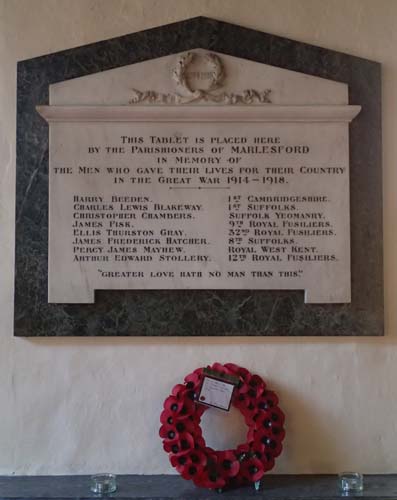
(199, 194)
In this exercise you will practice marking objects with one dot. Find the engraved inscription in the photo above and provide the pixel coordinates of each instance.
(231, 205)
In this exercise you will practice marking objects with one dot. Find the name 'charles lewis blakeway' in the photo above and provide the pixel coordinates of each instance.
(96, 207)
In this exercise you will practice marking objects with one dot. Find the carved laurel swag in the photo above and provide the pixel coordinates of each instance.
(187, 95)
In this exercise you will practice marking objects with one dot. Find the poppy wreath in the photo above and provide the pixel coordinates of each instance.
(208, 468)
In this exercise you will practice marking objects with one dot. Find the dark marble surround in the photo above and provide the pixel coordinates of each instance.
(205, 312)
(306, 487)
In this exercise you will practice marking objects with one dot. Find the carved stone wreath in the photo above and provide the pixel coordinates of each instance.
(188, 95)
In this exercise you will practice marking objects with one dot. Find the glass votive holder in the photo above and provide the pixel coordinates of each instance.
(103, 483)
(351, 482)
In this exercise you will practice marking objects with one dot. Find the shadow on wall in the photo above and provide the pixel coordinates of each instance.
(315, 443)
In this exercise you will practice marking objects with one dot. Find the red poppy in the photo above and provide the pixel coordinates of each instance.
(271, 418)
(221, 369)
(267, 400)
(210, 479)
(243, 449)
(184, 463)
(200, 409)
(199, 442)
(252, 469)
(257, 449)
(250, 435)
(273, 429)
(247, 406)
(237, 370)
(277, 416)
(173, 431)
(228, 464)
(267, 461)
(178, 389)
(256, 386)
(198, 457)
(191, 471)
(271, 443)
(181, 407)
(166, 417)
(168, 432)
(238, 399)
(179, 462)
(173, 405)
(182, 444)
(243, 386)
(171, 446)
(193, 380)
(244, 402)
(251, 417)
(182, 392)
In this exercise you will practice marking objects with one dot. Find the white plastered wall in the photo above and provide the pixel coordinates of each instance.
(80, 406)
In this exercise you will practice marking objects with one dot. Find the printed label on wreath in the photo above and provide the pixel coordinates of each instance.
(216, 393)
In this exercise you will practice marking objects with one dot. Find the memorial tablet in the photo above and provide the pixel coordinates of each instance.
(198, 179)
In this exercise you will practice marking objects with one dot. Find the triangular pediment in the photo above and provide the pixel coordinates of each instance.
(117, 86)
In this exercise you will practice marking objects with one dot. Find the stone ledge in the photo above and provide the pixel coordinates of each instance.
(167, 487)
